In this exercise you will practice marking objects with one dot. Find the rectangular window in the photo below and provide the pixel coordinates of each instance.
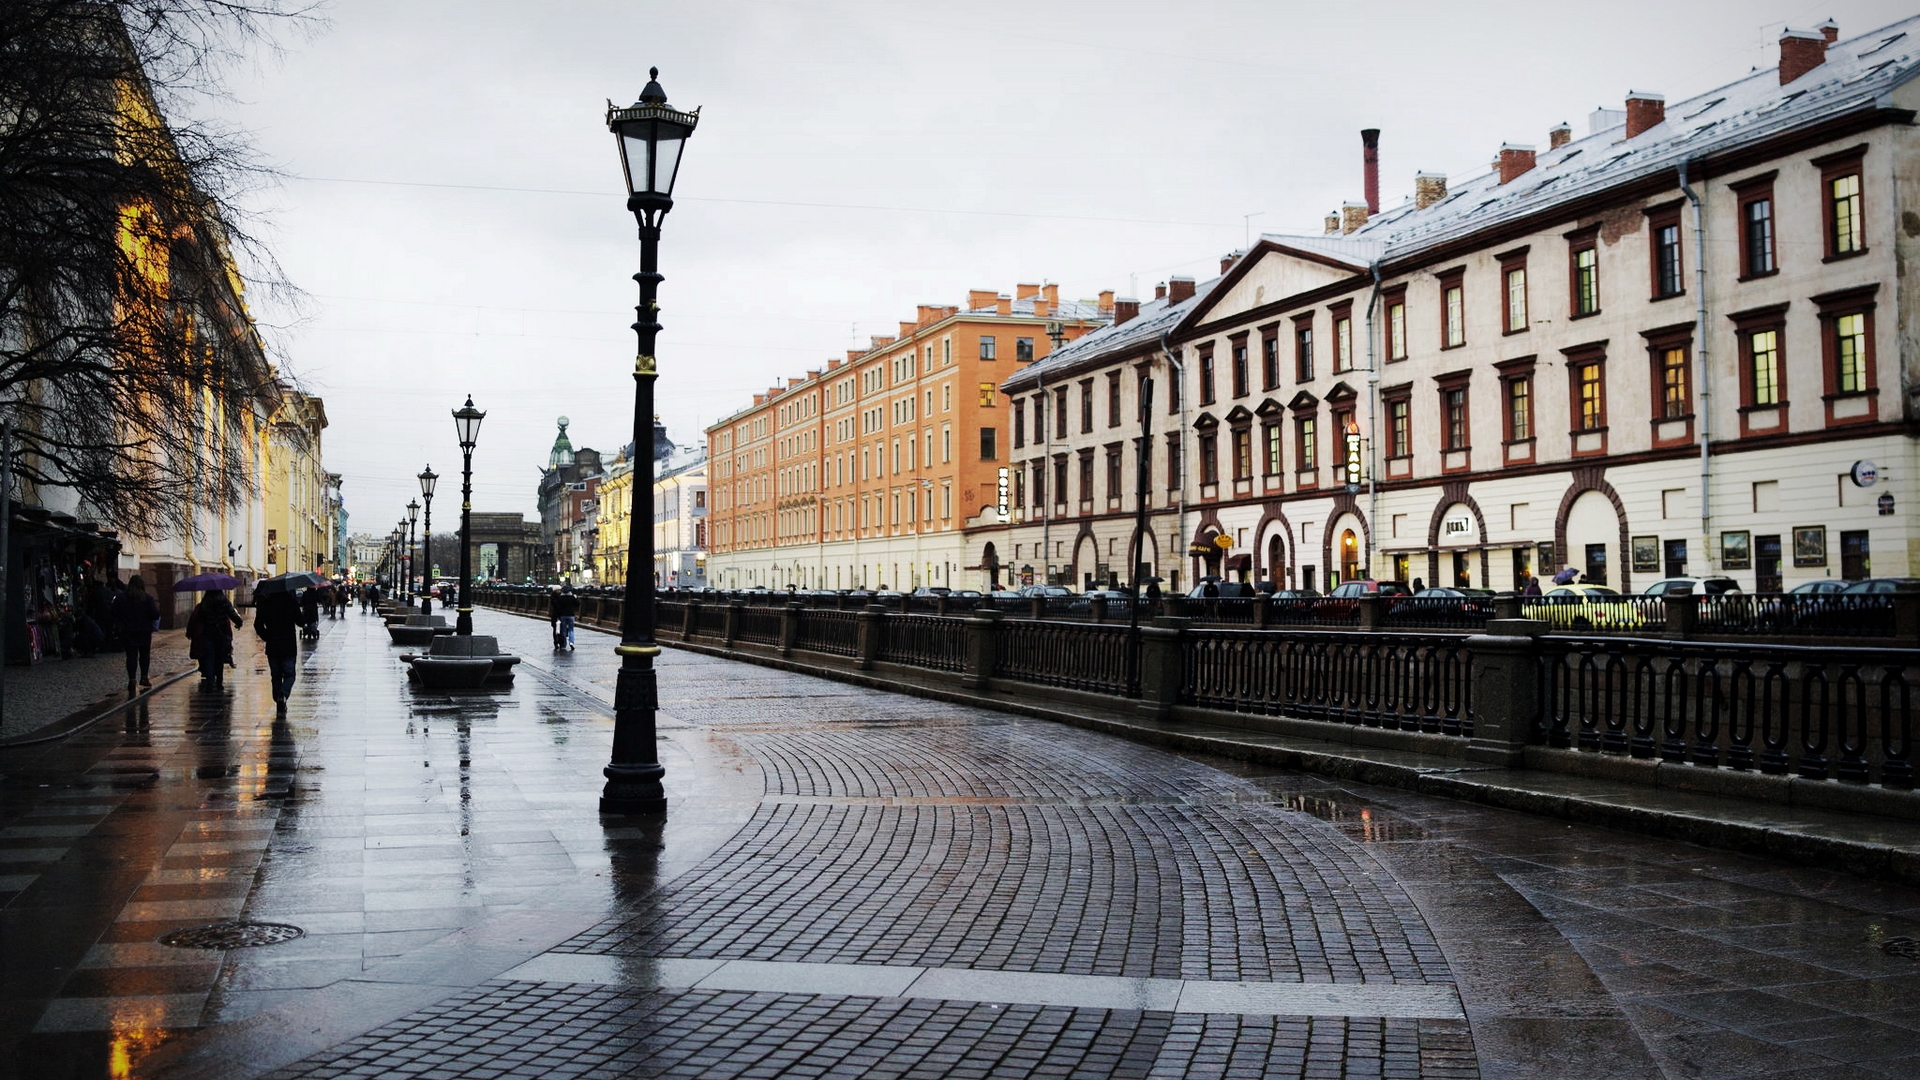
(1019, 424)
(1514, 299)
(1086, 476)
(1589, 396)
(1585, 260)
(1453, 313)
(1023, 350)
(1240, 388)
(1667, 271)
(1113, 473)
(1242, 454)
(986, 347)
(1848, 232)
(1519, 408)
(1303, 453)
(1303, 351)
(989, 443)
(1060, 414)
(1209, 458)
(986, 395)
(1756, 234)
(1113, 399)
(1206, 378)
(1763, 362)
(1060, 480)
(1453, 406)
(1675, 403)
(1086, 406)
(1397, 328)
(1400, 428)
(1850, 354)
(1039, 419)
(1039, 486)
(1269, 358)
(946, 444)
(1271, 433)
(1343, 344)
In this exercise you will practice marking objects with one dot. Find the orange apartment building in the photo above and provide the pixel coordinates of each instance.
(863, 474)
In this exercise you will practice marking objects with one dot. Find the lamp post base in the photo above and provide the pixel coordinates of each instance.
(633, 789)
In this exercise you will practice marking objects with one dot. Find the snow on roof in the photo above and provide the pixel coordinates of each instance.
(1093, 348)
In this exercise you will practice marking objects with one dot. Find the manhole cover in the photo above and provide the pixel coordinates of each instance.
(232, 935)
(1901, 946)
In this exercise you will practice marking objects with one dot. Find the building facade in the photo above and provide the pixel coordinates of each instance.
(1672, 346)
(867, 473)
(680, 521)
(301, 503)
(567, 490)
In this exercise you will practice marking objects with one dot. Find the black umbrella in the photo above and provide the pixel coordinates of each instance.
(298, 579)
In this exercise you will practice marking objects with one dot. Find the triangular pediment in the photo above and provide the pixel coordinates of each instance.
(1271, 273)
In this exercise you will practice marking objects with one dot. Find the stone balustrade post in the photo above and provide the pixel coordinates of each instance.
(790, 616)
(730, 633)
(691, 617)
(1097, 609)
(1162, 667)
(1507, 607)
(1036, 607)
(1262, 610)
(1906, 610)
(867, 632)
(940, 604)
(1683, 615)
(1373, 611)
(983, 649)
(1507, 699)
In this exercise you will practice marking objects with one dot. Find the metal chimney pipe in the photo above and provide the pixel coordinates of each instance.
(1370, 138)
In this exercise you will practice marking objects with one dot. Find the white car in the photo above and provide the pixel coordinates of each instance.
(1699, 586)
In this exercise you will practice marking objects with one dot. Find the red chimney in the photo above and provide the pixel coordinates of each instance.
(1831, 29)
(1644, 111)
(1370, 139)
(1124, 309)
(1179, 290)
(1801, 51)
(1514, 161)
(1160, 291)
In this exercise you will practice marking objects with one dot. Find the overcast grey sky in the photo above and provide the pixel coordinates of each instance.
(456, 212)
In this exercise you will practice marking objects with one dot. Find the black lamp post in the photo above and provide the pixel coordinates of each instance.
(651, 135)
(413, 519)
(404, 590)
(427, 480)
(466, 420)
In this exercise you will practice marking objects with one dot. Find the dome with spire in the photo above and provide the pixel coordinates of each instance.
(562, 454)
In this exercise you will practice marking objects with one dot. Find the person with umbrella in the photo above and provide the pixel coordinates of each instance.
(210, 629)
(276, 622)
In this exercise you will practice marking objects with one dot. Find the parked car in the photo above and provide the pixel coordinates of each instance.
(1445, 604)
(1876, 585)
(1083, 604)
(1586, 607)
(1344, 600)
(1819, 588)
(1699, 586)
(1228, 590)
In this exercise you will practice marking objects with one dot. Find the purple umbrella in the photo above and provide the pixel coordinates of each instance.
(206, 583)
(1565, 577)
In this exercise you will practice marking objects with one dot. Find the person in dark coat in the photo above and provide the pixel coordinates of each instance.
(310, 611)
(562, 609)
(1533, 586)
(276, 622)
(210, 628)
(135, 613)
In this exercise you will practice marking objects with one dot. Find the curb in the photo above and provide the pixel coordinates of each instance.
(81, 719)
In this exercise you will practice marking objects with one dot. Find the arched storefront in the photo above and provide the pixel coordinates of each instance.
(1458, 562)
(1346, 549)
(1592, 543)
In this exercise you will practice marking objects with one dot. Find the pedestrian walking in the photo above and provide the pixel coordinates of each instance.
(310, 613)
(136, 615)
(1533, 586)
(210, 630)
(276, 621)
(562, 609)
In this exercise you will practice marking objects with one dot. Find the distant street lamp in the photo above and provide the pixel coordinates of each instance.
(413, 518)
(466, 421)
(650, 135)
(403, 584)
(427, 480)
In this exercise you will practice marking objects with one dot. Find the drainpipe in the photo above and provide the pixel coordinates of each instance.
(1177, 374)
(1046, 471)
(1703, 385)
(1373, 422)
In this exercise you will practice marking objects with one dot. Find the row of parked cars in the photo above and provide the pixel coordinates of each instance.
(1811, 607)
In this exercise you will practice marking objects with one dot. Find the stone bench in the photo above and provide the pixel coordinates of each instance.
(465, 649)
(417, 629)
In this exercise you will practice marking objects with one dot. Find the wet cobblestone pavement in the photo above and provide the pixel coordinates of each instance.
(857, 883)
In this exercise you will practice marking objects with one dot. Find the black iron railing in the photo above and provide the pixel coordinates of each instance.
(759, 625)
(1406, 682)
(929, 641)
(828, 631)
(710, 620)
(1437, 612)
(1816, 712)
(1080, 656)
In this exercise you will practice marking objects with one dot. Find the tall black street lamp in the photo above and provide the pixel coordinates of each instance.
(413, 519)
(403, 585)
(651, 135)
(466, 421)
(427, 480)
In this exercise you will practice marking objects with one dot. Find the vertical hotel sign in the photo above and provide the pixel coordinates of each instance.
(1005, 487)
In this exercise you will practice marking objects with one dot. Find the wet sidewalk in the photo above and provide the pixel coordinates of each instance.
(858, 883)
